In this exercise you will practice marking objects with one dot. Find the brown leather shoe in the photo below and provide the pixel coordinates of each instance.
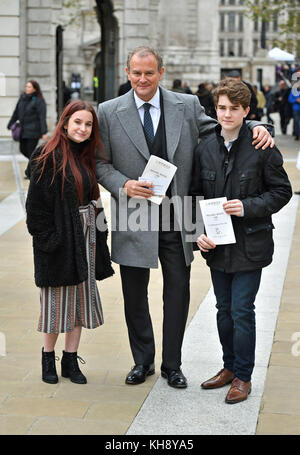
(238, 391)
(222, 378)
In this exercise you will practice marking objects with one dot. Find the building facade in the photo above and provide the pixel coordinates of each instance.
(83, 44)
(240, 43)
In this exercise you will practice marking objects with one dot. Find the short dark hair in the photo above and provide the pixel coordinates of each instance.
(237, 92)
(143, 51)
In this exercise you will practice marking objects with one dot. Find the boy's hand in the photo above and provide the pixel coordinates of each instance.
(205, 244)
(233, 207)
(262, 137)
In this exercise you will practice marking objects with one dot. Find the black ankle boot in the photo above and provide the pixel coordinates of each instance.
(49, 374)
(70, 368)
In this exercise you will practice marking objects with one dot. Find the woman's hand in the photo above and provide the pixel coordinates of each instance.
(205, 244)
(45, 137)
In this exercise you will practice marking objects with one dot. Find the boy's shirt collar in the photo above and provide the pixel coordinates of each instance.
(219, 133)
(230, 143)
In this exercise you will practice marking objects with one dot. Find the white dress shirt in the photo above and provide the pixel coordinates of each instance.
(154, 109)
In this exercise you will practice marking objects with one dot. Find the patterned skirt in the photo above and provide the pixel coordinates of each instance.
(65, 307)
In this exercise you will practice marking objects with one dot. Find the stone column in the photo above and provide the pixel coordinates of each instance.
(153, 23)
(136, 24)
(135, 28)
(175, 38)
(42, 20)
(121, 59)
(188, 37)
(207, 43)
(9, 61)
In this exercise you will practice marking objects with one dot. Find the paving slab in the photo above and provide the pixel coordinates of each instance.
(106, 405)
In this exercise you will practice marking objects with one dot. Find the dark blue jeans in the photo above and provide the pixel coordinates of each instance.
(235, 294)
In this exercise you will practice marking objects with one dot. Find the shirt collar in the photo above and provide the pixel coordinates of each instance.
(230, 143)
(242, 130)
(155, 101)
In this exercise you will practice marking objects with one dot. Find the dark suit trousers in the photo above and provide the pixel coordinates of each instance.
(176, 297)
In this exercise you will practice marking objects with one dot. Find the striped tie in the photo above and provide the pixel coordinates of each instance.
(148, 125)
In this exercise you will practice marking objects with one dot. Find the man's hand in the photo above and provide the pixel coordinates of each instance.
(205, 244)
(262, 137)
(233, 207)
(135, 188)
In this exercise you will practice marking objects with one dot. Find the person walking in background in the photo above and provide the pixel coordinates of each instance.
(124, 88)
(70, 253)
(206, 100)
(177, 86)
(186, 88)
(66, 93)
(294, 100)
(261, 102)
(269, 96)
(256, 186)
(283, 106)
(150, 120)
(30, 111)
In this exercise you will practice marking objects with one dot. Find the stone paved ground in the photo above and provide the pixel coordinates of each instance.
(106, 405)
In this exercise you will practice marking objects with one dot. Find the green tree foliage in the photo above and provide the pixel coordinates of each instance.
(288, 14)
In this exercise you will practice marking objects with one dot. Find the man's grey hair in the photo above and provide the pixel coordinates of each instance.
(143, 51)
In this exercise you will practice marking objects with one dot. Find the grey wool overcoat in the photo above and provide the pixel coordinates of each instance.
(135, 221)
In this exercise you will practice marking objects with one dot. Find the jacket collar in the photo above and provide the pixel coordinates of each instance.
(243, 131)
(129, 118)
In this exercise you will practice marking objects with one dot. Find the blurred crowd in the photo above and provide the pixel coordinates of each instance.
(265, 100)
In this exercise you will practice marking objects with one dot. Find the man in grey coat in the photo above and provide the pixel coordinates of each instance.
(149, 120)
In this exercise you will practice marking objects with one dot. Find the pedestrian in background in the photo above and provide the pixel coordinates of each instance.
(283, 106)
(206, 100)
(261, 102)
(177, 86)
(269, 96)
(294, 100)
(70, 253)
(30, 111)
(124, 88)
(186, 88)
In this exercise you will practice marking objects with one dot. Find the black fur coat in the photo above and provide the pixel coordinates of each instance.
(57, 234)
